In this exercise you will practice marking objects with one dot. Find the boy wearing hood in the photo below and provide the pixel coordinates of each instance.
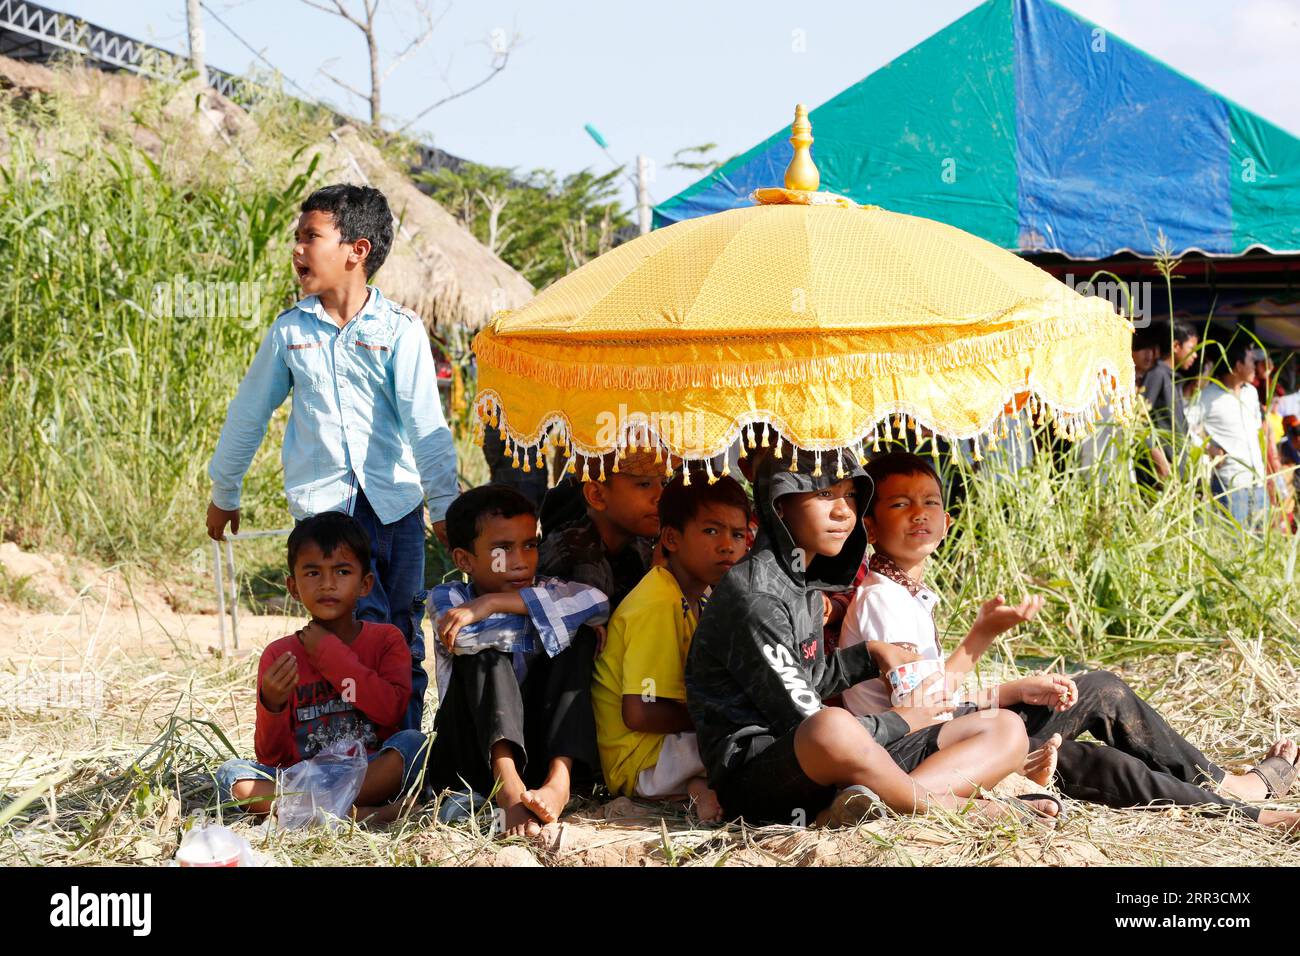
(757, 673)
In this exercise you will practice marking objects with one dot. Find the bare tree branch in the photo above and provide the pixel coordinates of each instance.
(500, 59)
(339, 8)
(351, 89)
(425, 35)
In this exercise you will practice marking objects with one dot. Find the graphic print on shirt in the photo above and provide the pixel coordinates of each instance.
(321, 717)
(780, 660)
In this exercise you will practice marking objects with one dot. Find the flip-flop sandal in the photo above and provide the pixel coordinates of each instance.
(1278, 774)
(1020, 804)
(852, 805)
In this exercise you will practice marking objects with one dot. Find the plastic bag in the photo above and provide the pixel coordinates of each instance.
(322, 789)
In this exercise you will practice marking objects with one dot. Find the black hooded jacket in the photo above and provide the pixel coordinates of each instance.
(757, 667)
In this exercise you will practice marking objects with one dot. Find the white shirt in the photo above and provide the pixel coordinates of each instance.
(884, 611)
(1234, 423)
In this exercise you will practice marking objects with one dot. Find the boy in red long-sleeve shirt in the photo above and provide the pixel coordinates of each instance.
(336, 678)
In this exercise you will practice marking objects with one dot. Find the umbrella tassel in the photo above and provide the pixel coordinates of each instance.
(602, 468)
(934, 446)
(794, 457)
(862, 454)
(528, 467)
(779, 442)
(659, 452)
(586, 468)
(839, 471)
(708, 470)
(976, 443)
(572, 468)
(686, 476)
(766, 429)
(817, 464)
(875, 437)
(726, 462)
(668, 465)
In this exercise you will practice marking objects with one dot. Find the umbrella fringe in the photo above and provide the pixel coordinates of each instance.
(1073, 423)
(508, 355)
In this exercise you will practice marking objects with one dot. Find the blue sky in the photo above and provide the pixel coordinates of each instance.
(655, 78)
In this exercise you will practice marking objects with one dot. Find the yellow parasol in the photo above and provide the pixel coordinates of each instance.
(805, 319)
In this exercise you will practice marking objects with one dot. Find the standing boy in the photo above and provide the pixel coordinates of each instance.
(366, 434)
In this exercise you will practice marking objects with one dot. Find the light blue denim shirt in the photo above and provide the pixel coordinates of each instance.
(365, 410)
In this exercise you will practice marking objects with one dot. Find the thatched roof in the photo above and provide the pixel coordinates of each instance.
(436, 267)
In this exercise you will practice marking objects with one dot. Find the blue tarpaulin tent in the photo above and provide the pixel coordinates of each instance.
(1041, 132)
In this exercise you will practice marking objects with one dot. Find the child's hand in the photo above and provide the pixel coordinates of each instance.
(926, 705)
(601, 636)
(1048, 690)
(218, 518)
(279, 681)
(888, 656)
(452, 621)
(311, 635)
(996, 616)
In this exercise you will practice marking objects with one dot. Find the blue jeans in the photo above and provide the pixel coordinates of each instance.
(412, 745)
(1248, 506)
(397, 560)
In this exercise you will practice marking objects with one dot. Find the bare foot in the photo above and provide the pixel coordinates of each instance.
(549, 800)
(1285, 820)
(1251, 786)
(1014, 810)
(520, 821)
(704, 800)
(1041, 764)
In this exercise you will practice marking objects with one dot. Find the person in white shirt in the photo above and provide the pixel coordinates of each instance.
(1144, 763)
(1233, 424)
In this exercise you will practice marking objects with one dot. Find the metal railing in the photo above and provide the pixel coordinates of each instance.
(229, 593)
(30, 31)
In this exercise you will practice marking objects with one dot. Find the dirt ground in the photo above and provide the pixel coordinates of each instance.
(155, 662)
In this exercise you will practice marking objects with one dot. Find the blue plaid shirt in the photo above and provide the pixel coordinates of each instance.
(365, 413)
(556, 609)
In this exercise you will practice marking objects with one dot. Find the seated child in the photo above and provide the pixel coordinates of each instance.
(609, 547)
(647, 742)
(756, 674)
(515, 697)
(336, 678)
(1145, 761)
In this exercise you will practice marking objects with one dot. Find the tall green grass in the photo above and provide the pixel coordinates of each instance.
(1127, 570)
(112, 399)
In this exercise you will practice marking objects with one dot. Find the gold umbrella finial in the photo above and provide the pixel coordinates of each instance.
(802, 171)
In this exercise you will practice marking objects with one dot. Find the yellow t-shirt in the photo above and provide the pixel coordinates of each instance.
(645, 653)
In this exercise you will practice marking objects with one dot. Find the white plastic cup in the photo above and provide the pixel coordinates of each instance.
(906, 678)
(211, 846)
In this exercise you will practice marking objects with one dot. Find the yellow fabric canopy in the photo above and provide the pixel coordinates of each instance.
(820, 320)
